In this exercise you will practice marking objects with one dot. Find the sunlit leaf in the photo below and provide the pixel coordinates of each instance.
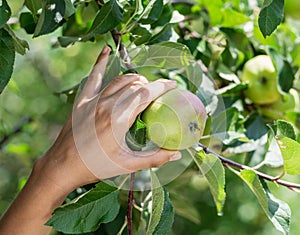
(100, 205)
(233, 18)
(277, 211)
(212, 169)
(163, 55)
(290, 150)
(162, 215)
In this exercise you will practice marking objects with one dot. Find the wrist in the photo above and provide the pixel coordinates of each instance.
(65, 169)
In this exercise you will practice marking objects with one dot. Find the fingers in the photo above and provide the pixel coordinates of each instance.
(120, 82)
(94, 81)
(142, 97)
(155, 158)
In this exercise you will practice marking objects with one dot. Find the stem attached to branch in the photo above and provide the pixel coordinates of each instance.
(227, 162)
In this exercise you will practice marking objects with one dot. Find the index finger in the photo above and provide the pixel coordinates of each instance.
(94, 80)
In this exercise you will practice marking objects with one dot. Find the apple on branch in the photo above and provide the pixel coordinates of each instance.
(175, 120)
(260, 75)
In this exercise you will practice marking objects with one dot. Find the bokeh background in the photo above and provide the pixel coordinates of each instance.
(33, 100)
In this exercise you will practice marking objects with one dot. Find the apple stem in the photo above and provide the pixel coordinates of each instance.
(226, 162)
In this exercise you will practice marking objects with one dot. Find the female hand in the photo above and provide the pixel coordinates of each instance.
(92, 146)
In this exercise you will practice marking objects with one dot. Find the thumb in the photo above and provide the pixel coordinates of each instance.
(154, 158)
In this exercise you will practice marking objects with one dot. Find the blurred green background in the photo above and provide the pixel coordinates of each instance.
(32, 93)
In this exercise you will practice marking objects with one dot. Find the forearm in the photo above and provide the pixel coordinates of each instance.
(34, 205)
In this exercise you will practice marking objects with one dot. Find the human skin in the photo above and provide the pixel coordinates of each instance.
(63, 168)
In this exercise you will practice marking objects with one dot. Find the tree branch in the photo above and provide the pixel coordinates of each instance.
(130, 204)
(227, 162)
(17, 129)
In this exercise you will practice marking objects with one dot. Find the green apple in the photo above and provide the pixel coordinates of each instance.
(175, 120)
(288, 103)
(260, 75)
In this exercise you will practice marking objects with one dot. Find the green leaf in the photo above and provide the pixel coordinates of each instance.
(109, 16)
(141, 35)
(164, 35)
(5, 13)
(27, 22)
(112, 70)
(284, 70)
(67, 40)
(270, 16)
(285, 138)
(20, 45)
(154, 13)
(285, 129)
(7, 58)
(277, 211)
(232, 18)
(212, 169)
(165, 55)
(99, 205)
(194, 76)
(136, 136)
(162, 215)
(33, 5)
(290, 150)
(70, 9)
(51, 18)
(253, 182)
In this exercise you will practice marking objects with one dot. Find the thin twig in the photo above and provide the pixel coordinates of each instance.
(226, 162)
(130, 204)
(17, 129)
(122, 50)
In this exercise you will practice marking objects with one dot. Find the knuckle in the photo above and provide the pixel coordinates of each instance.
(143, 91)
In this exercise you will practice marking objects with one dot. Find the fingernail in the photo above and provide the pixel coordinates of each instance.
(105, 50)
(172, 83)
(175, 157)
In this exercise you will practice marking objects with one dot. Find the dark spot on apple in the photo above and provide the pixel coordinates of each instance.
(264, 80)
(193, 127)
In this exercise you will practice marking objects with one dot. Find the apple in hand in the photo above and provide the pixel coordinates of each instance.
(175, 120)
(260, 75)
(288, 103)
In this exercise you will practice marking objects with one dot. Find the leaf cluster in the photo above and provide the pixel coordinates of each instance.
(203, 45)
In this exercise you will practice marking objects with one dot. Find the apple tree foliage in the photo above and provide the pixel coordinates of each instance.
(203, 45)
